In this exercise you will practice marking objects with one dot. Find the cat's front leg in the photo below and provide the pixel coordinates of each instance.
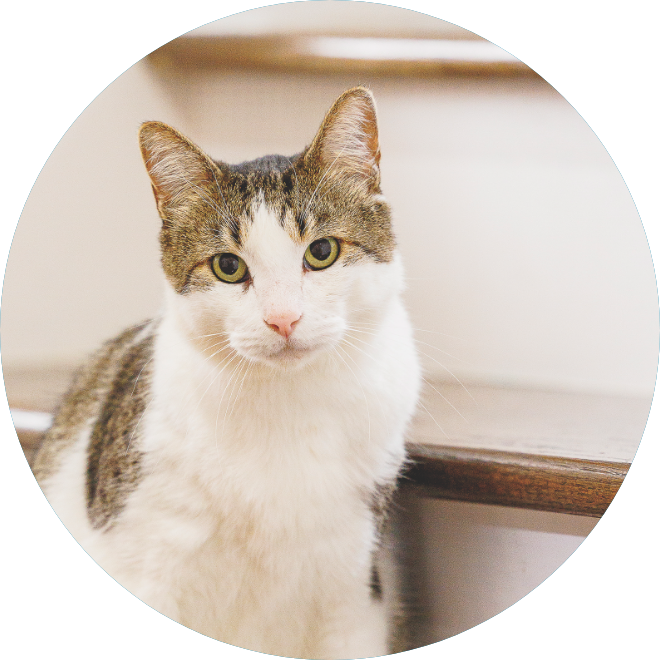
(356, 633)
(158, 592)
(142, 571)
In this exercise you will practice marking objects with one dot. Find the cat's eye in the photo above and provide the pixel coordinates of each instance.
(229, 268)
(322, 253)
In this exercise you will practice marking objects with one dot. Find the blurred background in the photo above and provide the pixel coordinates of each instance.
(527, 264)
(519, 236)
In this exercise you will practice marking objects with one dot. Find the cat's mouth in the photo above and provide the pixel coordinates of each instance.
(290, 353)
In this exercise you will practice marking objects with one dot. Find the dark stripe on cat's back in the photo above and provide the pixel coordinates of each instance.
(114, 457)
(375, 585)
(81, 403)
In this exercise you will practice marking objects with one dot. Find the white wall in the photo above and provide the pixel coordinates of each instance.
(469, 562)
(84, 260)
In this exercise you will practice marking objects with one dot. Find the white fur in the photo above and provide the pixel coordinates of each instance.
(251, 522)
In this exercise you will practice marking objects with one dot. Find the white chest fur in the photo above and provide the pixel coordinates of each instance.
(252, 521)
(256, 497)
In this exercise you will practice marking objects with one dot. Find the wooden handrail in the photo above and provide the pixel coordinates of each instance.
(338, 55)
(565, 452)
(528, 481)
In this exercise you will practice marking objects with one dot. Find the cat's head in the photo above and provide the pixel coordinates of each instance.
(277, 256)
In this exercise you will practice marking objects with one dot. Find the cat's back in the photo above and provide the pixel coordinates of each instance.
(100, 410)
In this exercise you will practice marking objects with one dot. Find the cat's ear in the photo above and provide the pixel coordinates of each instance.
(180, 171)
(346, 145)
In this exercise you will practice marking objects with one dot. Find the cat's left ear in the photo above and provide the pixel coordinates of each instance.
(347, 142)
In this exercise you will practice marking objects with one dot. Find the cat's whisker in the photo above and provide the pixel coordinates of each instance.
(443, 334)
(325, 191)
(230, 381)
(378, 362)
(363, 392)
(214, 354)
(216, 374)
(349, 332)
(444, 367)
(318, 185)
(356, 327)
(444, 398)
(217, 371)
(419, 341)
(219, 346)
(415, 328)
(205, 198)
(425, 380)
(371, 333)
(227, 217)
(423, 343)
(210, 201)
(137, 378)
(451, 373)
(211, 334)
(240, 387)
(433, 418)
(357, 348)
(130, 439)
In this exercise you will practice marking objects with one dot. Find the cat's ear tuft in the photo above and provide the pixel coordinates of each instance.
(347, 142)
(180, 172)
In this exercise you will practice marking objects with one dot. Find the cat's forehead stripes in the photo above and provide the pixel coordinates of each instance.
(310, 204)
(274, 180)
(332, 189)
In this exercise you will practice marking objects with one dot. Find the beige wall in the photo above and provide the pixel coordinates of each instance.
(522, 245)
(469, 562)
(84, 259)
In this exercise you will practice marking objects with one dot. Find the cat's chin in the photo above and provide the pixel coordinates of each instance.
(289, 357)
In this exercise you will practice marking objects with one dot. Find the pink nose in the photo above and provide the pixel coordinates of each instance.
(282, 322)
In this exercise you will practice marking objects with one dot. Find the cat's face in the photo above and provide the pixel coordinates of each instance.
(285, 312)
(274, 259)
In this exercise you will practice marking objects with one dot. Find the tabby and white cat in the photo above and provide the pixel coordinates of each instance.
(230, 462)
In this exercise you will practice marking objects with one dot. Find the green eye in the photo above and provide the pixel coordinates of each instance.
(229, 268)
(322, 253)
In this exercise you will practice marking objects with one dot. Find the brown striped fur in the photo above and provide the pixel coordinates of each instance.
(323, 191)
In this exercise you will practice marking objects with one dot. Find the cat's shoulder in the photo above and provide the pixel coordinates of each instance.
(99, 384)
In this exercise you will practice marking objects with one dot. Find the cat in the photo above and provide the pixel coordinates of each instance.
(231, 461)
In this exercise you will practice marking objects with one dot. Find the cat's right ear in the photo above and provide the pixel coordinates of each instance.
(346, 145)
(179, 170)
